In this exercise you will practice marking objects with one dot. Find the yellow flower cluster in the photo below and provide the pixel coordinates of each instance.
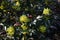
(10, 31)
(24, 18)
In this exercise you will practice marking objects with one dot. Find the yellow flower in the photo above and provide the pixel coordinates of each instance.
(42, 29)
(1, 7)
(46, 11)
(24, 27)
(24, 18)
(23, 38)
(10, 31)
(24, 33)
(17, 3)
